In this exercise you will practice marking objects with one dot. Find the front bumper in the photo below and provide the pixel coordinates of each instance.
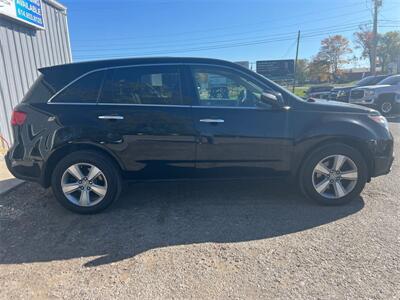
(382, 165)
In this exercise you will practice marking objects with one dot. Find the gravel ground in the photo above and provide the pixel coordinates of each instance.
(204, 240)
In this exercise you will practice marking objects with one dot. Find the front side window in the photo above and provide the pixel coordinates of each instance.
(84, 90)
(224, 87)
(142, 85)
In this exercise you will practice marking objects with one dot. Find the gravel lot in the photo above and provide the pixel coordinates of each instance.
(204, 240)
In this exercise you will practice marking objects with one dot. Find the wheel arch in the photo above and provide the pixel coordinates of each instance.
(60, 152)
(355, 143)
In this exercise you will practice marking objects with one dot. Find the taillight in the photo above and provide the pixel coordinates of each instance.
(18, 118)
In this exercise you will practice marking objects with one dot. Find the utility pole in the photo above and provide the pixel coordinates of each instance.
(377, 3)
(295, 62)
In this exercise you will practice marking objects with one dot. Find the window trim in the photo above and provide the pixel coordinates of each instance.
(182, 73)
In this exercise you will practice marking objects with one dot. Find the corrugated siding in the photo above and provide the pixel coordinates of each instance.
(22, 51)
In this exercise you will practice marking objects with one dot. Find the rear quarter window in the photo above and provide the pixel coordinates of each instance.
(84, 90)
(40, 92)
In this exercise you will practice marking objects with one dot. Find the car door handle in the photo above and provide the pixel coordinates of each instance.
(212, 121)
(110, 117)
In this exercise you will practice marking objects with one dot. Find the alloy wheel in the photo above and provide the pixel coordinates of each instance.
(386, 107)
(84, 184)
(335, 176)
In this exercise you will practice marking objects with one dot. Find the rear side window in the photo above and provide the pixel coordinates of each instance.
(40, 91)
(143, 85)
(84, 90)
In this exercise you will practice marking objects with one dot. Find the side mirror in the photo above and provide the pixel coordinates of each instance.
(273, 99)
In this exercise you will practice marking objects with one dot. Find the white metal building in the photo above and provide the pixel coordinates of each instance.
(33, 34)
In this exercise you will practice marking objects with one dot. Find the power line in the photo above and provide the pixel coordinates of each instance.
(224, 28)
(252, 39)
(232, 45)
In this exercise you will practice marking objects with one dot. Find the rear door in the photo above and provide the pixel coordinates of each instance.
(237, 134)
(146, 119)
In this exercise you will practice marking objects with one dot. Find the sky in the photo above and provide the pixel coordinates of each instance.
(233, 30)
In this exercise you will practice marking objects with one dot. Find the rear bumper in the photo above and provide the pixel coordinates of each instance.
(29, 171)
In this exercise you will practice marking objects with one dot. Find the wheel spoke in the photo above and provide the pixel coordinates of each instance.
(99, 190)
(93, 173)
(338, 162)
(69, 188)
(321, 168)
(339, 190)
(322, 186)
(75, 171)
(350, 175)
(84, 200)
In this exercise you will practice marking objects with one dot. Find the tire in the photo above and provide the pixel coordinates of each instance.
(104, 188)
(335, 194)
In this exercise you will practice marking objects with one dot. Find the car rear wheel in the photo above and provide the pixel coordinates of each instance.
(86, 182)
(333, 174)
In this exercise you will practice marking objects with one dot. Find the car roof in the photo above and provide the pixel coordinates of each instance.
(60, 75)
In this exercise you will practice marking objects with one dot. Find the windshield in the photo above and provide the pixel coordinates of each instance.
(366, 81)
(393, 80)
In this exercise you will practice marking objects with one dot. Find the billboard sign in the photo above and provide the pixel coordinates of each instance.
(27, 11)
(276, 69)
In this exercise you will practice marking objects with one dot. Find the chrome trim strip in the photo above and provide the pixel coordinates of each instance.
(228, 107)
(69, 103)
(148, 65)
(150, 105)
(109, 68)
(110, 117)
(212, 120)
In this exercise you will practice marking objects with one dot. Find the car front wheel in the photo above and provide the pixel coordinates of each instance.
(334, 174)
(86, 182)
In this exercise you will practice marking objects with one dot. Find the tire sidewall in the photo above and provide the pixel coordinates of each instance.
(321, 153)
(101, 162)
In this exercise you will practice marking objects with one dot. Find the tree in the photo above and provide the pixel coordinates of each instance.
(333, 52)
(302, 71)
(389, 49)
(318, 69)
(363, 39)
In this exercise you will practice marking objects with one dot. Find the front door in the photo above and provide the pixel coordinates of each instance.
(238, 135)
(147, 121)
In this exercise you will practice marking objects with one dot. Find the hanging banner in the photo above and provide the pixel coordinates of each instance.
(26, 11)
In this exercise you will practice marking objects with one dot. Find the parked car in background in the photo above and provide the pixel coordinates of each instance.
(319, 92)
(84, 127)
(342, 94)
(384, 96)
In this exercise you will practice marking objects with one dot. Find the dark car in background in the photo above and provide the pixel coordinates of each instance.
(342, 94)
(84, 127)
(319, 92)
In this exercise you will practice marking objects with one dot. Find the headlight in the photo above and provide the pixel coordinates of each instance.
(369, 93)
(341, 93)
(380, 120)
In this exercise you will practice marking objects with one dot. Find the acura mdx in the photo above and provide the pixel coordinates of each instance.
(85, 127)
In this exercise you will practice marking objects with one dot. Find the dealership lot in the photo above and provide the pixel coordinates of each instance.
(206, 239)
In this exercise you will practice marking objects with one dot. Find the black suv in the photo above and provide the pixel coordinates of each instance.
(84, 127)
